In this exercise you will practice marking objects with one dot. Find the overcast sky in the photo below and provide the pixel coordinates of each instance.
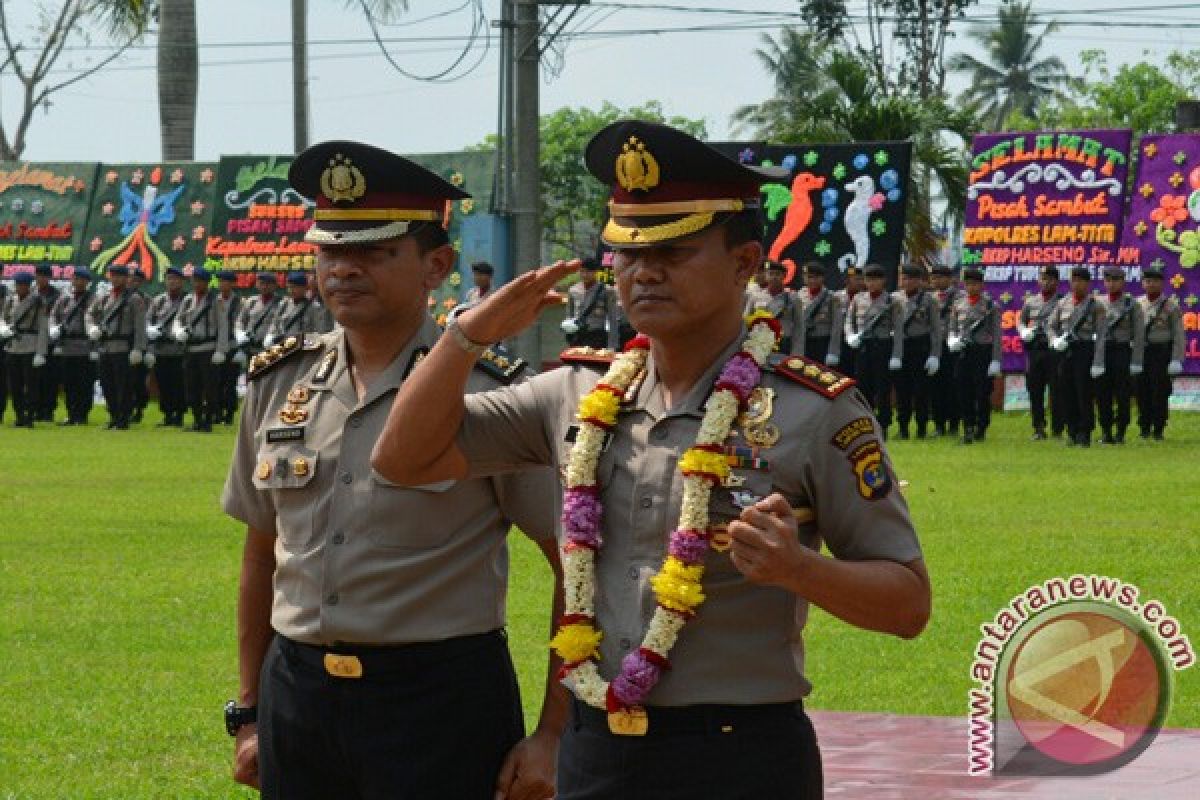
(245, 74)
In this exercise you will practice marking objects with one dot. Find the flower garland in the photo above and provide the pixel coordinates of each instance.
(677, 585)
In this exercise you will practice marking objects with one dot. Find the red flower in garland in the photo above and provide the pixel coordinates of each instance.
(1170, 210)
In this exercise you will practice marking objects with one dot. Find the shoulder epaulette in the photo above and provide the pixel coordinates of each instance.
(593, 356)
(275, 354)
(814, 375)
(499, 364)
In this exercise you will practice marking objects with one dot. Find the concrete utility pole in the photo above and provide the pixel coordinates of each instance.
(526, 208)
(300, 73)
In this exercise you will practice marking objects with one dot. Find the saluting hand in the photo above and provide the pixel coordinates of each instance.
(766, 545)
(514, 307)
(245, 756)
(528, 769)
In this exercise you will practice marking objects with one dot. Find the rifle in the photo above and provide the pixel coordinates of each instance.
(870, 324)
(919, 301)
(1073, 331)
(814, 309)
(1115, 321)
(1158, 306)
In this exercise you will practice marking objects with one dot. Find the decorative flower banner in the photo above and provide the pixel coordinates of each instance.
(43, 213)
(1163, 228)
(150, 216)
(1042, 197)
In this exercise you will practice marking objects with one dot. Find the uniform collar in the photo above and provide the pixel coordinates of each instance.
(342, 385)
(649, 397)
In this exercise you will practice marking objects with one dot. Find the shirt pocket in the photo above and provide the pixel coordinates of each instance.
(287, 471)
(414, 517)
(725, 505)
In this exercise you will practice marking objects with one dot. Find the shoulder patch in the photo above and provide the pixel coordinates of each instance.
(814, 375)
(593, 356)
(500, 364)
(275, 354)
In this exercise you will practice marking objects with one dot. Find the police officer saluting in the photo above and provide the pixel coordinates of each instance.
(1041, 362)
(371, 616)
(921, 328)
(254, 320)
(73, 348)
(1124, 345)
(1077, 331)
(24, 335)
(873, 322)
(1164, 353)
(165, 351)
(116, 322)
(688, 578)
(974, 333)
(819, 329)
(205, 338)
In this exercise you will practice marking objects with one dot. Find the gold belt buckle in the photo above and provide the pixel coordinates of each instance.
(343, 666)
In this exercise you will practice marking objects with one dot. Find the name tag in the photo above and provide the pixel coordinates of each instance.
(295, 434)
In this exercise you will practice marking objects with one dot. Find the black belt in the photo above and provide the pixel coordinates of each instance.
(378, 661)
(75, 336)
(671, 720)
(1111, 345)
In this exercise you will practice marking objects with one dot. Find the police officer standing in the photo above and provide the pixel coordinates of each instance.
(780, 302)
(1041, 362)
(921, 329)
(297, 314)
(201, 329)
(229, 307)
(49, 376)
(1165, 344)
(818, 333)
(974, 333)
(588, 309)
(872, 328)
(1077, 329)
(24, 334)
(370, 615)
(165, 353)
(847, 356)
(68, 330)
(141, 372)
(944, 390)
(735, 681)
(1124, 346)
(116, 322)
(254, 322)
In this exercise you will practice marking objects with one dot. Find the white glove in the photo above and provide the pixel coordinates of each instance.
(218, 358)
(94, 333)
(955, 344)
(39, 360)
(853, 340)
(239, 358)
(1026, 333)
(1175, 368)
(569, 326)
(931, 365)
(150, 360)
(1060, 343)
(55, 332)
(5, 331)
(832, 360)
(154, 332)
(135, 358)
(895, 364)
(241, 337)
(1097, 372)
(93, 356)
(180, 334)
(993, 369)
(1135, 370)
(57, 350)
(269, 340)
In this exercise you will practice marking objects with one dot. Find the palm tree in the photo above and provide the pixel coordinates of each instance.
(177, 78)
(1011, 77)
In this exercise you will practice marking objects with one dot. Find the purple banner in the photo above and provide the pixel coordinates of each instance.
(1042, 197)
(1163, 227)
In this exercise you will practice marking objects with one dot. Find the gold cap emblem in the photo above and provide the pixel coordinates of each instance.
(636, 167)
(342, 181)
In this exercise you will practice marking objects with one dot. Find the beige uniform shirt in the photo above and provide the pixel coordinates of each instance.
(783, 307)
(878, 317)
(819, 315)
(1124, 324)
(254, 320)
(946, 298)
(69, 313)
(122, 321)
(1035, 314)
(744, 645)
(977, 323)
(359, 559)
(206, 328)
(28, 320)
(162, 314)
(1082, 321)
(298, 317)
(920, 318)
(1164, 323)
(228, 309)
(590, 307)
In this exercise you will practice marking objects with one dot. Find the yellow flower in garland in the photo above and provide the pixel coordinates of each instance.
(677, 586)
(702, 462)
(576, 642)
(755, 316)
(600, 405)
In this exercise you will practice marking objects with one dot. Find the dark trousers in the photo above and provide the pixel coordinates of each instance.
(78, 376)
(874, 379)
(974, 386)
(172, 400)
(139, 396)
(227, 389)
(726, 752)
(1113, 388)
(23, 386)
(3, 382)
(116, 381)
(817, 348)
(200, 377)
(849, 361)
(1041, 373)
(912, 384)
(425, 721)
(49, 378)
(944, 393)
(1154, 388)
(1078, 390)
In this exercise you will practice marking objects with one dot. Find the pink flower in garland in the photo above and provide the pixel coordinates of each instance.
(740, 376)
(688, 546)
(581, 517)
(638, 676)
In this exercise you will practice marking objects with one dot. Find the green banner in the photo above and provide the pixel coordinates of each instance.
(43, 213)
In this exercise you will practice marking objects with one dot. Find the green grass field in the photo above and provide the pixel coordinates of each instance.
(118, 574)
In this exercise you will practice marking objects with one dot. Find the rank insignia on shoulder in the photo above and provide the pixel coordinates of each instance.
(273, 355)
(600, 356)
(500, 364)
(814, 375)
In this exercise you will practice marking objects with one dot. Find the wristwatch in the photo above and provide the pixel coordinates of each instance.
(237, 716)
(462, 340)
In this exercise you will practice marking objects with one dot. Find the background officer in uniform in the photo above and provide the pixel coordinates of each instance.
(229, 307)
(944, 391)
(873, 322)
(165, 352)
(921, 329)
(1165, 344)
(848, 356)
(819, 328)
(140, 391)
(481, 274)
(780, 302)
(116, 322)
(589, 313)
(254, 322)
(726, 720)
(1077, 331)
(1124, 345)
(201, 329)
(1041, 362)
(298, 313)
(24, 335)
(50, 376)
(3, 363)
(370, 615)
(974, 333)
(68, 331)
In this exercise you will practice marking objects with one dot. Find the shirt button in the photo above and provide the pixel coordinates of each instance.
(633, 573)
(660, 433)
(356, 422)
(647, 502)
(626, 644)
(332, 599)
(339, 537)
(347, 477)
